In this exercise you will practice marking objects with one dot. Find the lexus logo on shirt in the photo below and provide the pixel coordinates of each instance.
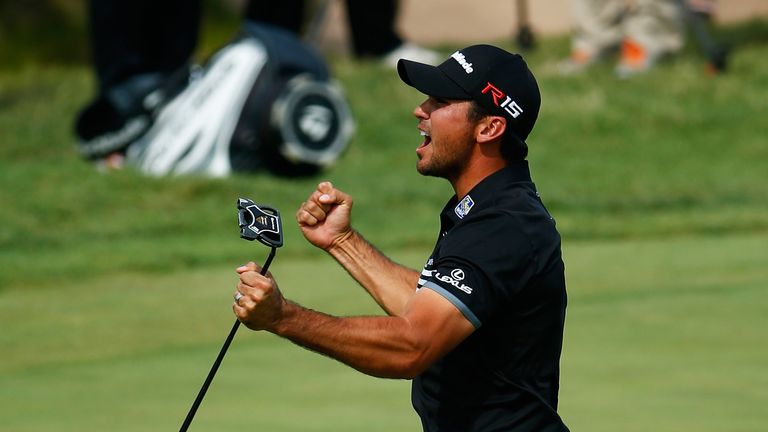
(457, 275)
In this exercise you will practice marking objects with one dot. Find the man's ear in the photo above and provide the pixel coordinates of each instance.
(490, 128)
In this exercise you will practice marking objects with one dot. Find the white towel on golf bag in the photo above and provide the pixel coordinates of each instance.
(192, 133)
(302, 119)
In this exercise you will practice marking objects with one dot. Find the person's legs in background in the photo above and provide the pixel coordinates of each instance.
(288, 14)
(141, 36)
(597, 31)
(374, 33)
(139, 47)
(654, 29)
(372, 26)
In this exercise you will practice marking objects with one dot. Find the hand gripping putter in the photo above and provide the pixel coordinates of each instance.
(256, 223)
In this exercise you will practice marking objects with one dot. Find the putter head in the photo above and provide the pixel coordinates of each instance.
(259, 223)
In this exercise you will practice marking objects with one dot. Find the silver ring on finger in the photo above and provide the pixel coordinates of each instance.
(238, 296)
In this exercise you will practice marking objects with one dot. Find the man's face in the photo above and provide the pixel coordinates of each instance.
(448, 137)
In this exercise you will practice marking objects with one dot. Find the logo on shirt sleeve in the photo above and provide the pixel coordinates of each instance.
(455, 278)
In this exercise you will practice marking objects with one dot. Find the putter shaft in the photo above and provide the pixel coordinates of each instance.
(220, 357)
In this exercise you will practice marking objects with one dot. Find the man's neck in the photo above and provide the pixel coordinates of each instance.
(474, 174)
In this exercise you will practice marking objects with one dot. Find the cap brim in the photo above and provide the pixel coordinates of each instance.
(429, 80)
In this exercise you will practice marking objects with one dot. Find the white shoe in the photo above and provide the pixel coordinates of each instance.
(412, 52)
(578, 62)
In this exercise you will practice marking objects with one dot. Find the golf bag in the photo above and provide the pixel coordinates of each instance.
(264, 101)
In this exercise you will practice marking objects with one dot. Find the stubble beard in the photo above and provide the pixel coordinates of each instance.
(446, 164)
(440, 167)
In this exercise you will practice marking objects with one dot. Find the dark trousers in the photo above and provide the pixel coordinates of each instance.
(371, 23)
(130, 37)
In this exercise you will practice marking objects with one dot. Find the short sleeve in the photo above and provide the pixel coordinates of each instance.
(480, 265)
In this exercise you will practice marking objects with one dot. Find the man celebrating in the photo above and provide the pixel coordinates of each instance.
(480, 329)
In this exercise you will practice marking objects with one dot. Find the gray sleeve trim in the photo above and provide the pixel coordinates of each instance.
(468, 314)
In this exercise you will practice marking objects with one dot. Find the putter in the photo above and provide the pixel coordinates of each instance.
(256, 223)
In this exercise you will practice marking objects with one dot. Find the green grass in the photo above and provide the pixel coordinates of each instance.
(675, 152)
(667, 335)
(662, 335)
(115, 287)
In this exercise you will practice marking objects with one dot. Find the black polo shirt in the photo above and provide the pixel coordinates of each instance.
(498, 260)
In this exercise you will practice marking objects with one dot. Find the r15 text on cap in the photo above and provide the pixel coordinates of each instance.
(509, 105)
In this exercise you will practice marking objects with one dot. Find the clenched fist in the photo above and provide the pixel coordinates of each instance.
(324, 218)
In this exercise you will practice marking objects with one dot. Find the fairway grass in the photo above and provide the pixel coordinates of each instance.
(671, 153)
(661, 335)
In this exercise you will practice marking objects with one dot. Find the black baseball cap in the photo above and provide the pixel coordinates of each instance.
(496, 79)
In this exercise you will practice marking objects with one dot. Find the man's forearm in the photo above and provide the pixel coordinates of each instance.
(377, 346)
(389, 283)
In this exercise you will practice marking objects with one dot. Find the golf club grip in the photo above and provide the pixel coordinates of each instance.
(219, 358)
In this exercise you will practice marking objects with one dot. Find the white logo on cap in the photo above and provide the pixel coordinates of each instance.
(459, 57)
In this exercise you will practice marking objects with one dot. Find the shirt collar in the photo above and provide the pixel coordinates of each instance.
(484, 192)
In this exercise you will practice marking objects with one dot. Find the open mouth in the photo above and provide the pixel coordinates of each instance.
(427, 139)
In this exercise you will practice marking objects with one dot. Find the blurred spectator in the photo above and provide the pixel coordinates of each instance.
(644, 31)
(371, 24)
(141, 50)
(703, 8)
